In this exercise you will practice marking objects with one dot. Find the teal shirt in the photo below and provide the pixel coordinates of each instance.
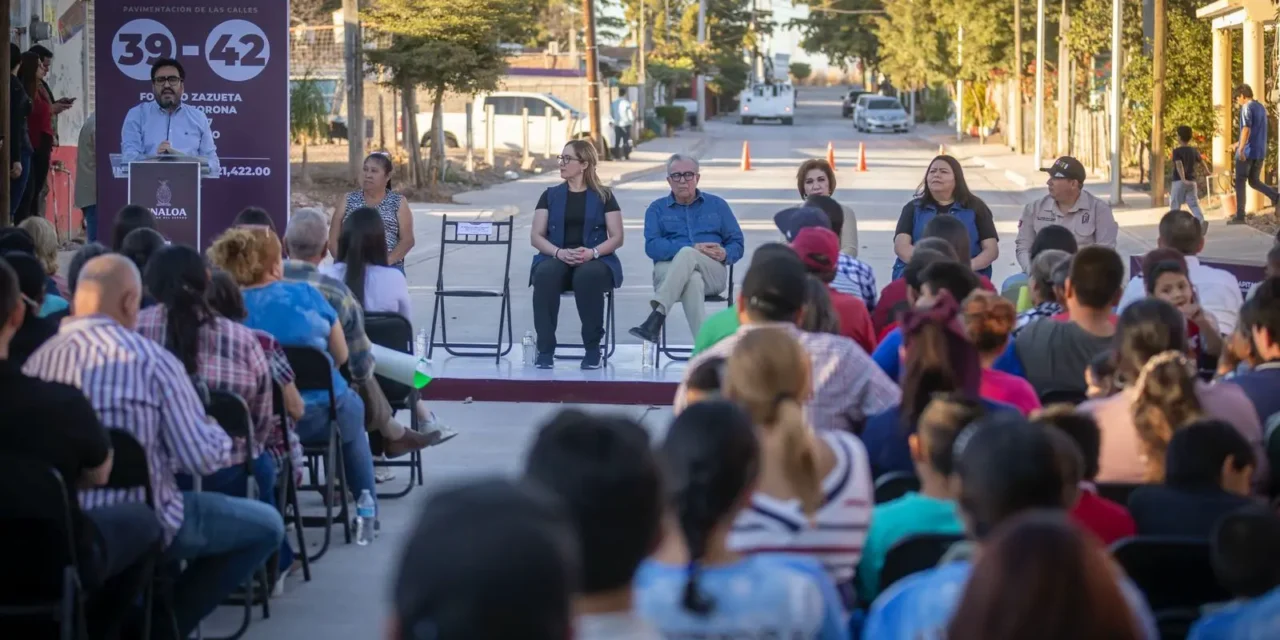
(719, 326)
(892, 521)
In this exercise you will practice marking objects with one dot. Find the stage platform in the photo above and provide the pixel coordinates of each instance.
(621, 381)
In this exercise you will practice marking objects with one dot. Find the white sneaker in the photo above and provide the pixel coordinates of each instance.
(383, 474)
(437, 431)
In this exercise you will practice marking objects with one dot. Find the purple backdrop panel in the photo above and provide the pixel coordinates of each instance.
(236, 57)
(171, 190)
(1247, 273)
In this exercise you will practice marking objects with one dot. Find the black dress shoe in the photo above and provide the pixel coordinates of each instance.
(651, 328)
(544, 361)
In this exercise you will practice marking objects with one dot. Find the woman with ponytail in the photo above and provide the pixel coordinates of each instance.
(695, 585)
(1159, 394)
(814, 495)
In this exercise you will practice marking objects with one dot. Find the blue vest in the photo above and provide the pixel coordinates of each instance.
(594, 231)
(926, 212)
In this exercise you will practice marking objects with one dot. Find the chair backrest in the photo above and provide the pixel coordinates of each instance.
(475, 233)
(894, 485)
(231, 412)
(1117, 492)
(1063, 396)
(392, 331)
(129, 469)
(311, 372)
(1271, 439)
(913, 554)
(37, 531)
(1173, 573)
(1175, 624)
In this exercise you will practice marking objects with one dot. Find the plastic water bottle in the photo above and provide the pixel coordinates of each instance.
(646, 355)
(366, 512)
(527, 349)
(420, 344)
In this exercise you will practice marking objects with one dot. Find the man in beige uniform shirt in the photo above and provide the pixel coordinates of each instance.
(1068, 205)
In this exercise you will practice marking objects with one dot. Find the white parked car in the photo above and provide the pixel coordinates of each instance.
(567, 123)
(880, 113)
(768, 102)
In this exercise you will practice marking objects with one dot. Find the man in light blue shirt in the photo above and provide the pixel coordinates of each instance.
(165, 126)
(692, 238)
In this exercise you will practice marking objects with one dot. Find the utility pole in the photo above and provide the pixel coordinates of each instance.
(1117, 86)
(4, 117)
(960, 86)
(1039, 138)
(1064, 84)
(593, 73)
(642, 44)
(1019, 118)
(700, 82)
(353, 53)
(1157, 102)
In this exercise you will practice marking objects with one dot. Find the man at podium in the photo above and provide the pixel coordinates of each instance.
(164, 127)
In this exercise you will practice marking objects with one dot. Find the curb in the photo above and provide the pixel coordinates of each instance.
(696, 151)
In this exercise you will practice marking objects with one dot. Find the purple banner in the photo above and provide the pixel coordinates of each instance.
(1247, 273)
(236, 57)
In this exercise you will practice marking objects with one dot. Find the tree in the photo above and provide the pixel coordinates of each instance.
(800, 71)
(308, 117)
(844, 38)
(444, 46)
(913, 50)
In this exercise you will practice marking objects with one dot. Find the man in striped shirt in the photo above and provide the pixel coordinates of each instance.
(138, 386)
(847, 384)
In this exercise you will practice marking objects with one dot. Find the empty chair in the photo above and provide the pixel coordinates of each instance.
(473, 234)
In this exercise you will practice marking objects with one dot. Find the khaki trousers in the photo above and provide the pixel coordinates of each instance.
(689, 278)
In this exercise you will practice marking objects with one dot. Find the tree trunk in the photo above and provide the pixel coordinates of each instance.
(305, 178)
(409, 109)
(436, 157)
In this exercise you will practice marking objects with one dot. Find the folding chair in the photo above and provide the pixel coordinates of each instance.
(683, 354)
(1117, 492)
(610, 331)
(130, 472)
(894, 485)
(232, 414)
(395, 332)
(1174, 573)
(913, 554)
(311, 373)
(287, 489)
(1063, 396)
(1271, 442)
(39, 560)
(473, 234)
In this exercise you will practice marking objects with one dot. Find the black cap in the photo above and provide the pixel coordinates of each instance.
(791, 221)
(775, 285)
(1066, 167)
(489, 560)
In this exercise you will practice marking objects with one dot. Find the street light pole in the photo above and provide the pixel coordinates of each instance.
(1117, 86)
(1039, 138)
(641, 41)
(960, 86)
(1019, 118)
(700, 83)
(593, 72)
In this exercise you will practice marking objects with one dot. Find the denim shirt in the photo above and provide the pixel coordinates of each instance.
(670, 226)
(926, 212)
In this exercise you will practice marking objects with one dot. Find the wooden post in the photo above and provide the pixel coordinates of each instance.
(353, 50)
(1019, 126)
(1064, 83)
(547, 142)
(471, 140)
(644, 80)
(1157, 102)
(524, 136)
(382, 123)
(593, 74)
(488, 137)
(1221, 101)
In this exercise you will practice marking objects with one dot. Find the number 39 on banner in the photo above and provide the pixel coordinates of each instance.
(236, 50)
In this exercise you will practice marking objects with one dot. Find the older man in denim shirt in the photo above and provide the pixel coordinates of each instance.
(692, 237)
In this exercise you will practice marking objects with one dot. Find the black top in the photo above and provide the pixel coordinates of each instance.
(19, 109)
(981, 217)
(575, 215)
(33, 333)
(1160, 510)
(1190, 159)
(53, 423)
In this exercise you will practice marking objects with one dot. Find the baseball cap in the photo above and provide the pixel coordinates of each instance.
(489, 560)
(791, 221)
(818, 248)
(1066, 167)
(775, 286)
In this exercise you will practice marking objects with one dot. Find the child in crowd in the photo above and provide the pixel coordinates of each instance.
(1245, 551)
(1100, 376)
(1041, 295)
(1056, 238)
(1106, 519)
(1164, 273)
(694, 585)
(1186, 162)
(933, 508)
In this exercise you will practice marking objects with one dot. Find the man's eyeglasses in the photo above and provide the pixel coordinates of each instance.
(682, 177)
(567, 159)
(167, 80)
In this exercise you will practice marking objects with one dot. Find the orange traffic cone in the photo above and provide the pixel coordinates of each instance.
(831, 155)
(746, 155)
(862, 157)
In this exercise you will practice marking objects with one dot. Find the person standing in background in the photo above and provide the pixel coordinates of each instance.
(44, 111)
(624, 119)
(1251, 150)
(86, 190)
(20, 148)
(1186, 161)
(46, 61)
(1067, 204)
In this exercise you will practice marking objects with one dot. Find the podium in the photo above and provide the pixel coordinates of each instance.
(169, 186)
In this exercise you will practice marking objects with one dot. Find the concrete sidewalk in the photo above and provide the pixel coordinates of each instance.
(1137, 217)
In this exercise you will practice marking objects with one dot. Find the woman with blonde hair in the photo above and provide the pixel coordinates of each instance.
(814, 491)
(577, 227)
(46, 240)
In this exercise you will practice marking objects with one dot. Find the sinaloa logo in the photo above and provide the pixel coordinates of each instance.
(164, 203)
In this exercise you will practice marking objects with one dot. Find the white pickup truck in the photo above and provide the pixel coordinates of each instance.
(567, 123)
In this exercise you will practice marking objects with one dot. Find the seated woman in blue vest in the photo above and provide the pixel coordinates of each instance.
(944, 191)
(577, 227)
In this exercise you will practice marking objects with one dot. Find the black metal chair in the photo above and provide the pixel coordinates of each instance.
(1175, 624)
(1117, 492)
(913, 554)
(1271, 440)
(682, 354)
(473, 233)
(130, 473)
(610, 341)
(393, 331)
(287, 487)
(894, 485)
(1173, 573)
(232, 414)
(40, 561)
(311, 369)
(1063, 396)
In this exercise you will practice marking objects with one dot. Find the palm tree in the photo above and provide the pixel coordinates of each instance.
(308, 117)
